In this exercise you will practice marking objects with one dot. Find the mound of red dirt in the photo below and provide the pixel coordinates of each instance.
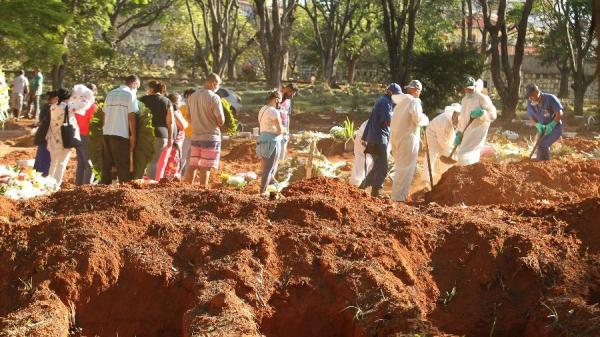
(244, 152)
(324, 260)
(526, 181)
(582, 144)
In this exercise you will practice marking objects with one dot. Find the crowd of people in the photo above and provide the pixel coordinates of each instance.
(395, 123)
(187, 133)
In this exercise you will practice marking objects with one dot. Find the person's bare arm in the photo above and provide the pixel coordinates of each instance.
(170, 126)
(558, 116)
(132, 130)
(219, 114)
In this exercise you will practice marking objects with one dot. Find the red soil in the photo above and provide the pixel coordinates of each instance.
(582, 144)
(324, 260)
(521, 182)
(244, 152)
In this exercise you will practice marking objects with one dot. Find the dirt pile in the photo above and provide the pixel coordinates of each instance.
(243, 152)
(582, 144)
(526, 181)
(169, 260)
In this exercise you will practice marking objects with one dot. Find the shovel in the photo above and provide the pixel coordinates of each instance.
(428, 160)
(448, 160)
(537, 143)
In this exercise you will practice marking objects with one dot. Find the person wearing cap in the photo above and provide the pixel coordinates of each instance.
(287, 93)
(440, 136)
(376, 137)
(407, 120)
(59, 155)
(477, 107)
(545, 114)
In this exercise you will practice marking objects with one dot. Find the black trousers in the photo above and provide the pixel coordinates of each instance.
(115, 152)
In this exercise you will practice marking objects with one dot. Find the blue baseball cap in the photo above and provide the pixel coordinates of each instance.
(394, 88)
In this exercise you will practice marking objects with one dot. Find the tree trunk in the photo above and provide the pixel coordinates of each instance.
(579, 97)
(563, 91)
(470, 41)
(274, 72)
(463, 26)
(231, 71)
(351, 69)
(59, 72)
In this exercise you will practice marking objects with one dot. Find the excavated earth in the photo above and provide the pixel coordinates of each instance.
(324, 259)
(527, 181)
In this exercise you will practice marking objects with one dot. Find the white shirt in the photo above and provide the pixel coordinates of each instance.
(117, 106)
(268, 119)
(19, 84)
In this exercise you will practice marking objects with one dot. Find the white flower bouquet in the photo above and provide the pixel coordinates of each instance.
(17, 183)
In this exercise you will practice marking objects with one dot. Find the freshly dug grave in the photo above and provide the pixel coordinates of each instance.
(323, 260)
(489, 183)
(244, 152)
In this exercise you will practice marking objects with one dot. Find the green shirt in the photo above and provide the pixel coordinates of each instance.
(36, 84)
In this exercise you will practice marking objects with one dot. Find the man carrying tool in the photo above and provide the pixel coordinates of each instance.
(477, 112)
(406, 125)
(376, 137)
(545, 114)
(440, 135)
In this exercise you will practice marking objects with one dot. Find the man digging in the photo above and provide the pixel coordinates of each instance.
(545, 114)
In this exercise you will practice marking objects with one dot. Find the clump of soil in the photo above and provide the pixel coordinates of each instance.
(243, 152)
(171, 260)
(331, 146)
(23, 141)
(582, 144)
(12, 157)
(526, 181)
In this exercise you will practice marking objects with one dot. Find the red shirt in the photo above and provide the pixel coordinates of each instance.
(84, 120)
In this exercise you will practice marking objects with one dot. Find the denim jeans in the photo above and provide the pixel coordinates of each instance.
(376, 176)
(83, 175)
(543, 150)
(269, 166)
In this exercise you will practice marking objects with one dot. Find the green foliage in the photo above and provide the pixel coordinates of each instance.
(32, 30)
(231, 123)
(442, 72)
(144, 150)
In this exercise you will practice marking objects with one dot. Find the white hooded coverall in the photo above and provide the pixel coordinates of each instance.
(440, 137)
(358, 168)
(473, 139)
(405, 138)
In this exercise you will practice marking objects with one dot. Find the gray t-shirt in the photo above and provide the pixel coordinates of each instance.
(206, 115)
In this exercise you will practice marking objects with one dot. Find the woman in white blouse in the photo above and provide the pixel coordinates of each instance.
(78, 102)
(269, 142)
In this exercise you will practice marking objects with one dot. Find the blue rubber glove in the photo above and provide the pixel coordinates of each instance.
(549, 127)
(477, 113)
(540, 128)
(457, 138)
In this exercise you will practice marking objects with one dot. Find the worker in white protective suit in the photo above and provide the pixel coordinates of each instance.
(361, 160)
(407, 120)
(440, 138)
(477, 106)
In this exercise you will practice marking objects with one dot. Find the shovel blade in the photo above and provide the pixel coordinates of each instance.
(447, 160)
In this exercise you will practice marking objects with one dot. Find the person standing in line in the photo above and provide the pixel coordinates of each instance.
(187, 141)
(42, 156)
(207, 117)
(20, 89)
(407, 120)
(162, 121)
(119, 130)
(288, 92)
(59, 155)
(35, 91)
(173, 167)
(376, 137)
(545, 114)
(83, 175)
(477, 107)
(269, 142)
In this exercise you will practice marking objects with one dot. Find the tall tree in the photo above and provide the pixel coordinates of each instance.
(334, 22)
(571, 21)
(354, 48)
(506, 75)
(553, 53)
(399, 28)
(126, 16)
(273, 34)
(223, 28)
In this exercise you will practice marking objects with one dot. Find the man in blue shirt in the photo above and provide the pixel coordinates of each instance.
(376, 137)
(545, 114)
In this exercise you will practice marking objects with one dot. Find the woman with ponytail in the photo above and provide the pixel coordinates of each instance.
(162, 121)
